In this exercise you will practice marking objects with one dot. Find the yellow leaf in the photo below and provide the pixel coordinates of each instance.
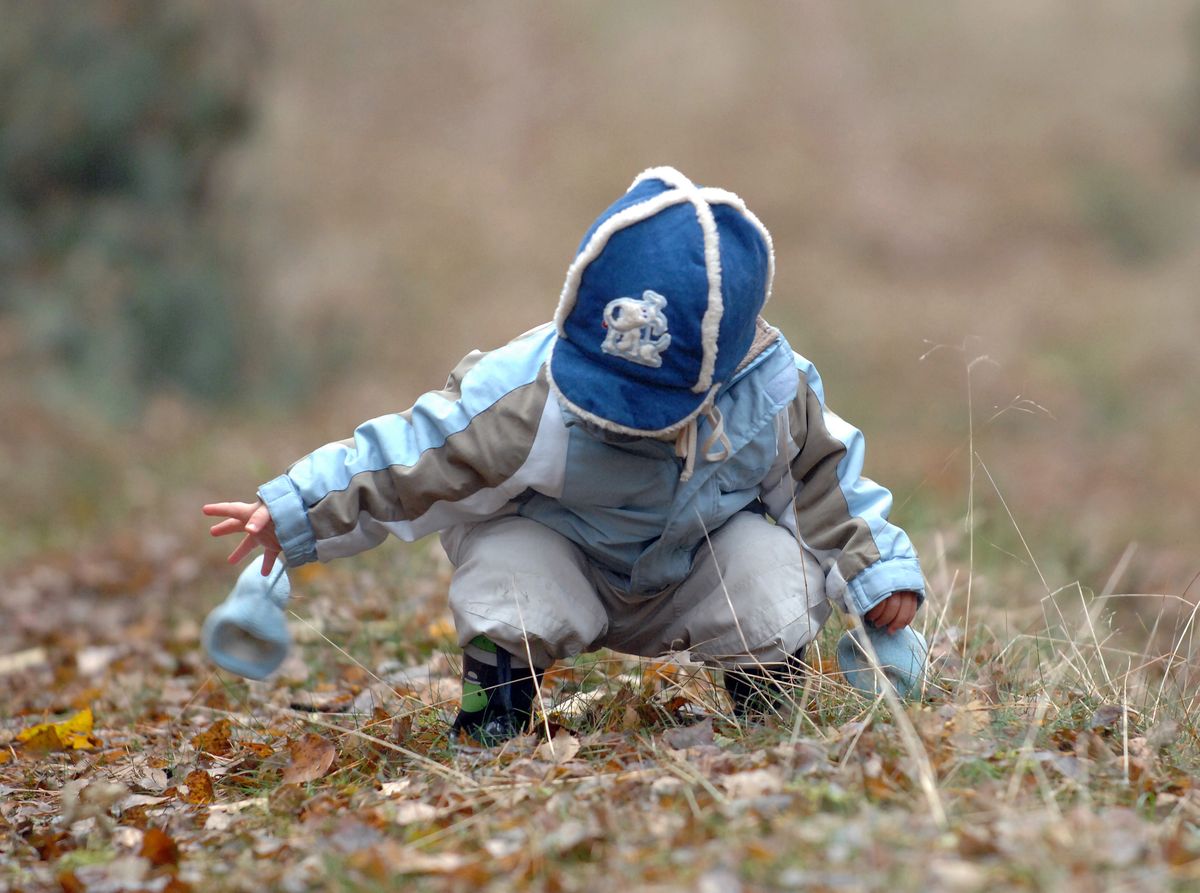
(74, 733)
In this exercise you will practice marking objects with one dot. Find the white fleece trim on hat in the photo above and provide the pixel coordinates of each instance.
(617, 427)
(596, 244)
(668, 175)
(710, 325)
(714, 195)
(681, 189)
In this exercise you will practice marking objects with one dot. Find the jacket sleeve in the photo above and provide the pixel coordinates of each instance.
(837, 514)
(458, 454)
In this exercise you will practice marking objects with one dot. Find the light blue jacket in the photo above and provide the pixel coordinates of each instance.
(496, 441)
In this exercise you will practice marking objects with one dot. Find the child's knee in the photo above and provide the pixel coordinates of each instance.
(529, 615)
(766, 623)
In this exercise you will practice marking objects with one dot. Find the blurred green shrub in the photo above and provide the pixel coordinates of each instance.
(1188, 119)
(113, 114)
(1134, 221)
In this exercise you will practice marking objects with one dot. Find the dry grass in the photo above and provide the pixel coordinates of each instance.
(987, 243)
(1050, 751)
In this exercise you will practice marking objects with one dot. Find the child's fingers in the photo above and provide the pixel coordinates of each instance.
(229, 525)
(259, 519)
(906, 613)
(887, 612)
(239, 510)
(244, 548)
(269, 556)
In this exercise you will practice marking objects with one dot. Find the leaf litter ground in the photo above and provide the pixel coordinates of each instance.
(1052, 757)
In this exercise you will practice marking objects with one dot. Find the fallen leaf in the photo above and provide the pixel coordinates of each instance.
(405, 860)
(392, 788)
(215, 739)
(158, 848)
(311, 756)
(22, 660)
(560, 749)
(827, 666)
(74, 733)
(1162, 734)
(695, 735)
(1111, 716)
(90, 662)
(286, 799)
(410, 811)
(199, 788)
(89, 799)
(69, 883)
(50, 844)
(755, 783)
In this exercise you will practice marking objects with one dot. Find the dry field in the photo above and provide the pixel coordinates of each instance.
(986, 223)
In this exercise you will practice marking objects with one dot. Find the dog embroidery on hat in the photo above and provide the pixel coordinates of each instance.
(637, 328)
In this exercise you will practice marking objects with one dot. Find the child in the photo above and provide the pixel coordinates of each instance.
(655, 471)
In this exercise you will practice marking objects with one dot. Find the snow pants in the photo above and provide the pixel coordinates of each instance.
(753, 596)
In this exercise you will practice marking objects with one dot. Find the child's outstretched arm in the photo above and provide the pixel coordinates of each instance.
(251, 519)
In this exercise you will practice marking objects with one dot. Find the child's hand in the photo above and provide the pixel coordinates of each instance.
(252, 519)
(895, 612)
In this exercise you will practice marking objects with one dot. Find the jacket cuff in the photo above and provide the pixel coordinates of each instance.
(872, 585)
(291, 520)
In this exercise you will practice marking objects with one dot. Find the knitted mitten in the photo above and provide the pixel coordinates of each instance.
(247, 633)
(901, 657)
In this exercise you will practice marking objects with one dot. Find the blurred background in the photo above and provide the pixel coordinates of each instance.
(229, 231)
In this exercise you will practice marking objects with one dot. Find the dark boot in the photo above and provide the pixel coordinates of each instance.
(761, 690)
(497, 701)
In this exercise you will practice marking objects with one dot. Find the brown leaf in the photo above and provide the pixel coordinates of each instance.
(158, 848)
(50, 844)
(560, 749)
(1163, 734)
(1178, 849)
(215, 739)
(69, 883)
(689, 736)
(1110, 717)
(312, 756)
(286, 799)
(200, 788)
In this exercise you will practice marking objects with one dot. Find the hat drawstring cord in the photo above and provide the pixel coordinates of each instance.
(685, 449)
(685, 443)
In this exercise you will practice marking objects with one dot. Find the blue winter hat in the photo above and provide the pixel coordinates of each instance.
(660, 305)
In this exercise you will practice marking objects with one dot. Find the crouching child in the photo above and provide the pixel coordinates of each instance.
(655, 470)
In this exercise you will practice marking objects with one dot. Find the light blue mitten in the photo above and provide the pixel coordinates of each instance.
(247, 633)
(901, 657)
